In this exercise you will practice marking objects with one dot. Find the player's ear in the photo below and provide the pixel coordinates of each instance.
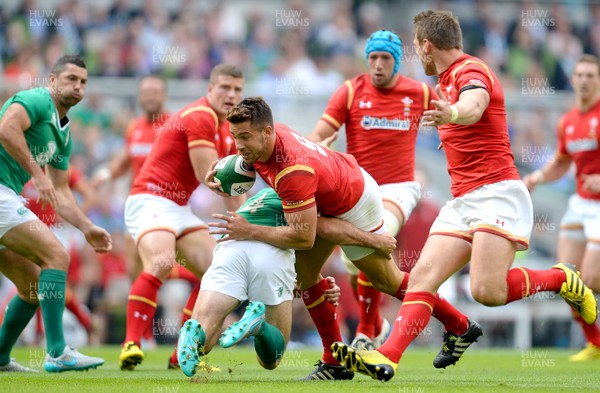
(268, 129)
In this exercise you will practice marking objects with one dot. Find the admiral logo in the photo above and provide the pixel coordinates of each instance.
(578, 145)
(382, 123)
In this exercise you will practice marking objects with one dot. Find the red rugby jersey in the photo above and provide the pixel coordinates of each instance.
(139, 138)
(479, 153)
(168, 171)
(305, 174)
(381, 124)
(48, 216)
(579, 138)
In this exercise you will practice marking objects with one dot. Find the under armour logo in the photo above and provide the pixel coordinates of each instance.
(365, 104)
(499, 222)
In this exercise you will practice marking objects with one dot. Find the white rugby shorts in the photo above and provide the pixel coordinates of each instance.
(581, 220)
(503, 208)
(251, 270)
(146, 213)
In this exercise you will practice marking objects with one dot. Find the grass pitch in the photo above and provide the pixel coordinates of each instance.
(485, 370)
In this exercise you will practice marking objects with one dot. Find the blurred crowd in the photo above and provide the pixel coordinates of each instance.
(297, 47)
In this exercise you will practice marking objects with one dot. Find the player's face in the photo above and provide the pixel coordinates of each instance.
(225, 93)
(152, 95)
(250, 142)
(426, 59)
(69, 86)
(381, 68)
(586, 80)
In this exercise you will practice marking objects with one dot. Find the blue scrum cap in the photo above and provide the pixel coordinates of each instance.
(385, 41)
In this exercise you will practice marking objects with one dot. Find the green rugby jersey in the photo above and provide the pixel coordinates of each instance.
(264, 209)
(48, 141)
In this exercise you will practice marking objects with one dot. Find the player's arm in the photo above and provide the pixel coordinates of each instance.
(342, 232)
(202, 159)
(326, 129)
(552, 171)
(88, 195)
(117, 167)
(467, 110)
(470, 106)
(323, 133)
(69, 211)
(300, 235)
(13, 125)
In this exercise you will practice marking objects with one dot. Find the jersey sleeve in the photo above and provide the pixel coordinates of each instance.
(429, 96)
(561, 143)
(297, 190)
(34, 103)
(201, 127)
(475, 75)
(338, 106)
(129, 133)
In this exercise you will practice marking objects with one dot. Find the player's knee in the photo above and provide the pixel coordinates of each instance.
(58, 258)
(488, 295)
(28, 294)
(384, 283)
(159, 266)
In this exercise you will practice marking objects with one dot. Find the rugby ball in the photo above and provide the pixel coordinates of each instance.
(235, 175)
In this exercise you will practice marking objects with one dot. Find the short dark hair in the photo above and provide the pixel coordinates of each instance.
(154, 76)
(225, 69)
(587, 58)
(253, 109)
(61, 64)
(441, 28)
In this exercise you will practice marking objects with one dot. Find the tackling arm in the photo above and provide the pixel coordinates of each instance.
(342, 232)
(299, 234)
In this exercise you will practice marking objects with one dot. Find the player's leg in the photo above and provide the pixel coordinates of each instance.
(270, 291)
(571, 249)
(21, 308)
(200, 333)
(194, 254)
(589, 255)
(225, 287)
(133, 263)
(34, 241)
(501, 219)
(312, 286)
(157, 252)
(399, 200)
(441, 257)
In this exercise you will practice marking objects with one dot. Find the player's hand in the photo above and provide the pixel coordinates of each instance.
(213, 183)
(533, 179)
(592, 183)
(236, 227)
(442, 112)
(100, 178)
(332, 295)
(46, 192)
(385, 244)
(329, 140)
(99, 239)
